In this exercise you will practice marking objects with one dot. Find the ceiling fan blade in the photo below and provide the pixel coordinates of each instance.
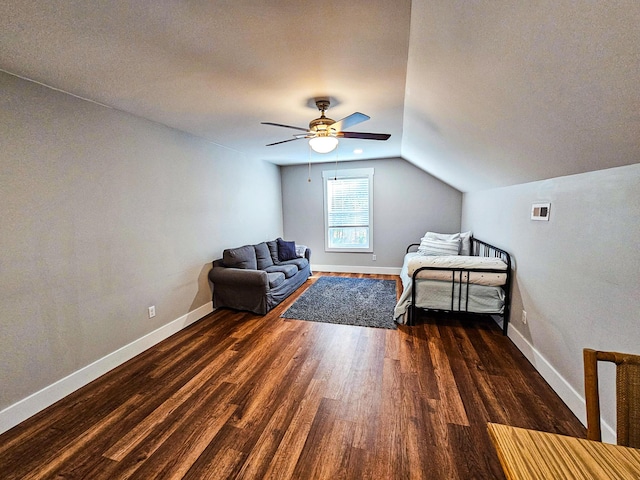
(285, 126)
(283, 141)
(365, 136)
(349, 121)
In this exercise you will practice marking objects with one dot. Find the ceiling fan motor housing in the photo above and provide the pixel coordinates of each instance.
(320, 125)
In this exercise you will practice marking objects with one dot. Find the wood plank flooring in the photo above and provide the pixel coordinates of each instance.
(238, 395)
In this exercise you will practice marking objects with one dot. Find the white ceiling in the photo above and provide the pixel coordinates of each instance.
(480, 94)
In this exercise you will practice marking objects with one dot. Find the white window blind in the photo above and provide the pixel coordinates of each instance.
(348, 209)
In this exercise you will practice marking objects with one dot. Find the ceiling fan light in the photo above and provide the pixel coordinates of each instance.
(323, 144)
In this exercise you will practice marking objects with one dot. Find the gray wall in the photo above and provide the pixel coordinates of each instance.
(577, 276)
(407, 203)
(103, 215)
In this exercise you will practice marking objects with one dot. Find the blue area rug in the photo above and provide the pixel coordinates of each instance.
(363, 302)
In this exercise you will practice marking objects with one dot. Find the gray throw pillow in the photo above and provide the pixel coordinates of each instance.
(241, 257)
(273, 249)
(263, 256)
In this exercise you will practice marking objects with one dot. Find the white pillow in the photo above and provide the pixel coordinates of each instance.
(465, 244)
(442, 236)
(445, 237)
(465, 237)
(438, 247)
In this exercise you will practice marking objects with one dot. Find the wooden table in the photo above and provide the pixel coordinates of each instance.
(529, 454)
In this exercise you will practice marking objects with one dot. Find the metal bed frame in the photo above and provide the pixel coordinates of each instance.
(478, 249)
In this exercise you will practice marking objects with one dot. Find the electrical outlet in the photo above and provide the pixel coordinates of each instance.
(524, 317)
(373, 257)
(152, 311)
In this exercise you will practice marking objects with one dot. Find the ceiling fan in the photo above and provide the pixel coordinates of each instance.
(323, 132)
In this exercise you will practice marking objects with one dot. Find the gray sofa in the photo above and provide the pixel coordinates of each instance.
(258, 277)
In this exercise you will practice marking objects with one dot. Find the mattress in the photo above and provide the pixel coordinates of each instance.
(436, 295)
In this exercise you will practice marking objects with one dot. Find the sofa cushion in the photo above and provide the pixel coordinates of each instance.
(273, 249)
(300, 263)
(286, 250)
(241, 257)
(275, 279)
(288, 270)
(263, 256)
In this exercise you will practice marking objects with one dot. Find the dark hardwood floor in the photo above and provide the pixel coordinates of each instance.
(238, 395)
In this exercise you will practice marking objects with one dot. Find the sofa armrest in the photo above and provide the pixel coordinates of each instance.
(240, 277)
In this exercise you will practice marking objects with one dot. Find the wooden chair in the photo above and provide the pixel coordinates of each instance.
(627, 395)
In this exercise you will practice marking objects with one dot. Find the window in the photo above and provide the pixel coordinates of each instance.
(348, 210)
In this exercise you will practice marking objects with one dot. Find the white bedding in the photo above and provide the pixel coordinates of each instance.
(416, 261)
(436, 294)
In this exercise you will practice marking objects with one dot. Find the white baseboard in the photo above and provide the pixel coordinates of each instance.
(356, 269)
(29, 406)
(569, 395)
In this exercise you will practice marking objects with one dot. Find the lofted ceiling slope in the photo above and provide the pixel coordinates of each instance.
(480, 94)
(505, 92)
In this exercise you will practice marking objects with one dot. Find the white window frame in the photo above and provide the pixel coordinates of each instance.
(342, 174)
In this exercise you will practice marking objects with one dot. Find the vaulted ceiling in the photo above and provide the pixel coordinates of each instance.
(481, 94)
